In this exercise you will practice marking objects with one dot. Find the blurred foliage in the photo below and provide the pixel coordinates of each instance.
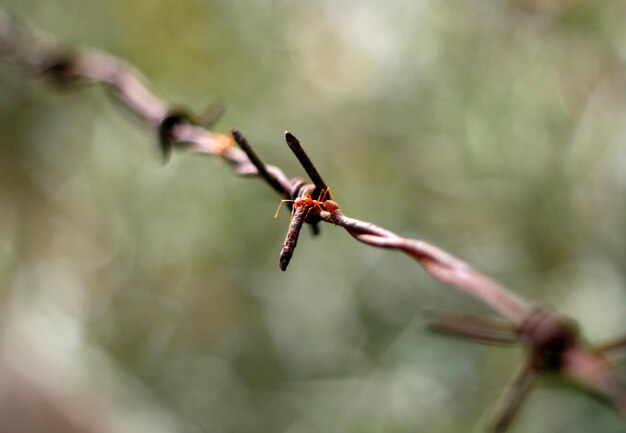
(495, 129)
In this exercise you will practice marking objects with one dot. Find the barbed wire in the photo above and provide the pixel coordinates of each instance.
(553, 344)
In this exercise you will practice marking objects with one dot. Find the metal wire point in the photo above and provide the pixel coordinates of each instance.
(305, 161)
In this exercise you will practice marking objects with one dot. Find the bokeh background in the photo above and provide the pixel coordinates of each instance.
(141, 298)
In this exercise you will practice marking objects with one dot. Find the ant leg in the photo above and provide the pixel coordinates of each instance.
(330, 216)
(322, 195)
(326, 194)
(280, 205)
(310, 207)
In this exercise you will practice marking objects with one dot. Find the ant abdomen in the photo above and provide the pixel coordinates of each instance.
(330, 205)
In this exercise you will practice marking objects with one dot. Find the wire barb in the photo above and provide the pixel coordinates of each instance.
(478, 329)
(211, 115)
(512, 400)
(614, 348)
(552, 345)
(256, 161)
(307, 164)
(291, 240)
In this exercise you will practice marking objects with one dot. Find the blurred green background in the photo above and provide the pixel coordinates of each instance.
(141, 298)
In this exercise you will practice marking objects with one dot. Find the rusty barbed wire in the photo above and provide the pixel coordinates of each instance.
(553, 344)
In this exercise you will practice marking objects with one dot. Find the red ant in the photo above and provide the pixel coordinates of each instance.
(321, 203)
